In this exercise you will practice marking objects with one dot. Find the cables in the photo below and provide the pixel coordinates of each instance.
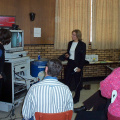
(11, 116)
(8, 114)
(22, 77)
(19, 76)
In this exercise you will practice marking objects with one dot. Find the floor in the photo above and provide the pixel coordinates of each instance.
(84, 95)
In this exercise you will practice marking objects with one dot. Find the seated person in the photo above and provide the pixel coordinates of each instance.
(49, 95)
(111, 87)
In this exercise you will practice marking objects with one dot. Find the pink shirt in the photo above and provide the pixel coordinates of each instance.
(112, 82)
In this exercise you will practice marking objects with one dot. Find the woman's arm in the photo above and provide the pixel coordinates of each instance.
(83, 53)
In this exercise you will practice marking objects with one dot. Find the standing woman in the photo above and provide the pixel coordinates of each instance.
(5, 36)
(76, 58)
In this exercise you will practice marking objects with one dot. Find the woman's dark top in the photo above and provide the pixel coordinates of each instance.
(80, 52)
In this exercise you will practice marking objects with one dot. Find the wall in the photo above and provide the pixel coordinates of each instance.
(48, 51)
(45, 18)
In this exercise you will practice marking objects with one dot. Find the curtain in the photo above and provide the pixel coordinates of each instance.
(70, 15)
(106, 24)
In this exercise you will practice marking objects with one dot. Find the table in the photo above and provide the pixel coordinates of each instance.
(107, 64)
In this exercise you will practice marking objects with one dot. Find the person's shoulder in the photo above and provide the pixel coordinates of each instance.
(80, 41)
(63, 85)
(116, 71)
(35, 86)
(70, 41)
(82, 44)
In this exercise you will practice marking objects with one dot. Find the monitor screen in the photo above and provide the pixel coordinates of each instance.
(17, 41)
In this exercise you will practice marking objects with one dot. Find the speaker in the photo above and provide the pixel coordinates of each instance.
(32, 16)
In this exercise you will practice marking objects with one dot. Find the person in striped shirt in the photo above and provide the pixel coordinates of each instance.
(49, 95)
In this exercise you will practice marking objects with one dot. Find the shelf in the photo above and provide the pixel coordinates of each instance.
(20, 95)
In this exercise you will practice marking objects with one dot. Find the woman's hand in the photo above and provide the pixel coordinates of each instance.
(78, 70)
(67, 55)
(1, 76)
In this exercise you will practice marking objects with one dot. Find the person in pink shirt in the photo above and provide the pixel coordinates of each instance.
(110, 88)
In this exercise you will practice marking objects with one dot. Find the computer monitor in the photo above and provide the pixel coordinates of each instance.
(17, 41)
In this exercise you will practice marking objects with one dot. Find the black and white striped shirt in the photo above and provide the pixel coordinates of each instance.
(47, 96)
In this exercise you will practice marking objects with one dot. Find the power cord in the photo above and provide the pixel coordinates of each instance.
(20, 76)
(16, 118)
(11, 115)
(7, 115)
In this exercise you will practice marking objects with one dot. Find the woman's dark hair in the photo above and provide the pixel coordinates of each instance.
(78, 34)
(5, 36)
(54, 67)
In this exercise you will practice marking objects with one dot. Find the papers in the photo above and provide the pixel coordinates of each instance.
(37, 32)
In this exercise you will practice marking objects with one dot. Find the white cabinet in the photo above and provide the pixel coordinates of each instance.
(16, 83)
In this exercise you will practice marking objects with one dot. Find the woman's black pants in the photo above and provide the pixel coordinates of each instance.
(100, 108)
(75, 76)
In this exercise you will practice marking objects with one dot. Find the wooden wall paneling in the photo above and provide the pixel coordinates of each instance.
(45, 19)
(8, 7)
(34, 7)
(23, 19)
(51, 21)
